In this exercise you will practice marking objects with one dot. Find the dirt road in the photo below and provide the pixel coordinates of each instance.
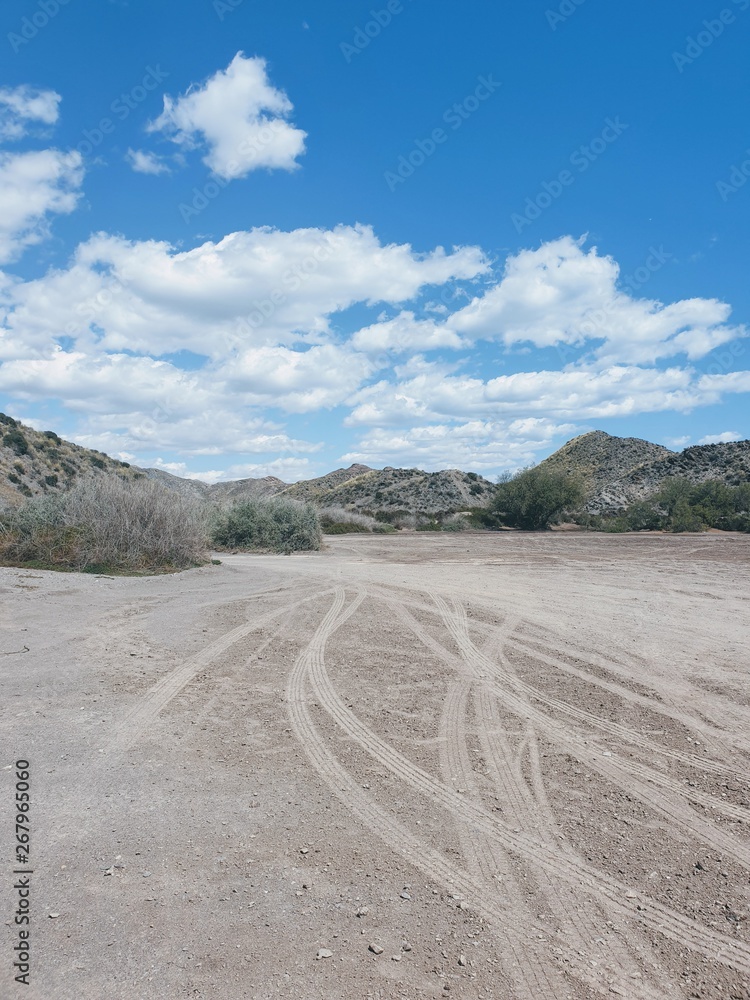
(476, 766)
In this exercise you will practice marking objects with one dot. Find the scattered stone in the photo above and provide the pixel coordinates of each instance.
(304, 850)
(406, 946)
(395, 958)
(53, 916)
(375, 949)
(362, 911)
(405, 895)
(462, 960)
(323, 953)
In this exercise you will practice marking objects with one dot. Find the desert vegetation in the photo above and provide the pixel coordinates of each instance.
(684, 506)
(270, 524)
(535, 498)
(106, 524)
(340, 521)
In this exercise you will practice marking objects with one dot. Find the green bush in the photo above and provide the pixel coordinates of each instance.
(535, 498)
(15, 439)
(51, 480)
(273, 524)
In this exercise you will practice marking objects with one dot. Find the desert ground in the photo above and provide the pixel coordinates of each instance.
(476, 766)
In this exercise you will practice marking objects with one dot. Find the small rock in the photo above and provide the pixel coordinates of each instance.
(376, 949)
(395, 958)
(146, 874)
(323, 953)
(53, 916)
(405, 895)
(462, 960)
(462, 906)
(406, 946)
(362, 911)
(304, 850)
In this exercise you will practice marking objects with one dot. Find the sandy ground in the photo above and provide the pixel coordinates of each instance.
(519, 765)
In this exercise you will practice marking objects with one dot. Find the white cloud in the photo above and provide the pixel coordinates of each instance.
(21, 105)
(405, 333)
(722, 438)
(561, 295)
(251, 289)
(33, 186)
(479, 445)
(575, 394)
(240, 116)
(300, 381)
(144, 162)
(265, 312)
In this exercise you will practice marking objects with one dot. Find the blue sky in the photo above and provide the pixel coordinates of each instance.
(240, 238)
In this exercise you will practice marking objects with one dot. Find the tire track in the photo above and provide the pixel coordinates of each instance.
(634, 777)
(488, 862)
(648, 746)
(634, 906)
(156, 699)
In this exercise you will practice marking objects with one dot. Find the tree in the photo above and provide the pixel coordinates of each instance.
(535, 498)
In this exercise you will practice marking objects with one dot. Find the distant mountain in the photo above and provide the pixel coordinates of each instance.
(359, 487)
(615, 472)
(391, 490)
(618, 471)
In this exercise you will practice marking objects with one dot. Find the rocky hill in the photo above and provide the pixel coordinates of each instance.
(34, 462)
(618, 471)
(390, 490)
(615, 473)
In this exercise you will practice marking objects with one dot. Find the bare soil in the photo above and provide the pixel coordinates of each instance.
(519, 765)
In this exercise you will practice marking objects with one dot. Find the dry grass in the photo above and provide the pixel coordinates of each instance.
(107, 524)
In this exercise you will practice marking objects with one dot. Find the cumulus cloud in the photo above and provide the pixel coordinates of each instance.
(576, 394)
(34, 186)
(24, 105)
(240, 116)
(143, 162)
(563, 295)
(405, 333)
(235, 347)
(722, 438)
(258, 288)
(480, 445)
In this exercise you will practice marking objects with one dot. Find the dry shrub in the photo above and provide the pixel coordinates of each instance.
(106, 523)
(268, 524)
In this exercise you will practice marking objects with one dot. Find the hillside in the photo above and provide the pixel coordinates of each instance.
(618, 471)
(390, 490)
(34, 462)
